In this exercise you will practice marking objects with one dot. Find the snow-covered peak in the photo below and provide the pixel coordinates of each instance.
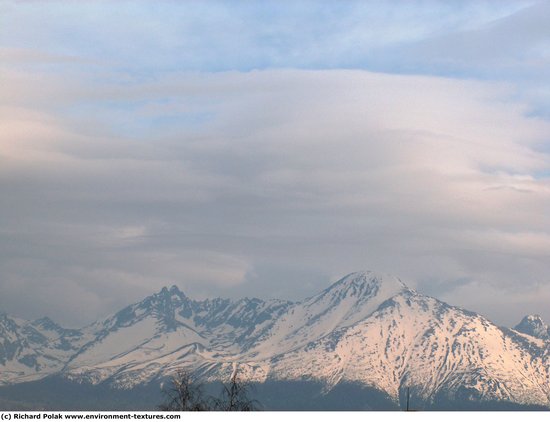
(359, 292)
(164, 302)
(8, 326)
(346, 302)
(46, 323)
(537, 319)
(356, 296)
(533, 325)
(368, 282)
(171, 292)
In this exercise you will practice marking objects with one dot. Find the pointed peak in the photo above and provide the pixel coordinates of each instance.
(367, 277)
(170, 293)
(364, 285)
(532, 320)
(44, 321)
(534, 326)
(173, 289)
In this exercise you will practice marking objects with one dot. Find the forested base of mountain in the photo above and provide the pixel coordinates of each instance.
(308, 395)
(56, 393)
(464, 402)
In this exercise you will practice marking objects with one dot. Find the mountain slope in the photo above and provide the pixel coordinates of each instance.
(367, 328)
(33, 349)
(166, 331)
(433, 348)
(351, 299)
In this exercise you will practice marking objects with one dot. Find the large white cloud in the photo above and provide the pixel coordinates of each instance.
(268, 183)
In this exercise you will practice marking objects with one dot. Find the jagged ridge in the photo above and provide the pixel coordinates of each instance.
(366, 328)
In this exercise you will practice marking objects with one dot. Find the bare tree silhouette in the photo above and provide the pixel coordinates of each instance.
(184, 394)
(234, 397)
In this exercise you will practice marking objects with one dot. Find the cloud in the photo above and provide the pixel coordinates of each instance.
(513, 47)
(205, 36)
(267, 183)
(518, 39)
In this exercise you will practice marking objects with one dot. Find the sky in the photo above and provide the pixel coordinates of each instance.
(266, 149)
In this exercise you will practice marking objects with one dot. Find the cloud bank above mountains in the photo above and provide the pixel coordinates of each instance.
(117, 180)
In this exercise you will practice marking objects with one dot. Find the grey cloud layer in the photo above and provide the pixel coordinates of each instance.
(268, 183)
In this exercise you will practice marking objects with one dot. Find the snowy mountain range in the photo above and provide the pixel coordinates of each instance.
(367, 329)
